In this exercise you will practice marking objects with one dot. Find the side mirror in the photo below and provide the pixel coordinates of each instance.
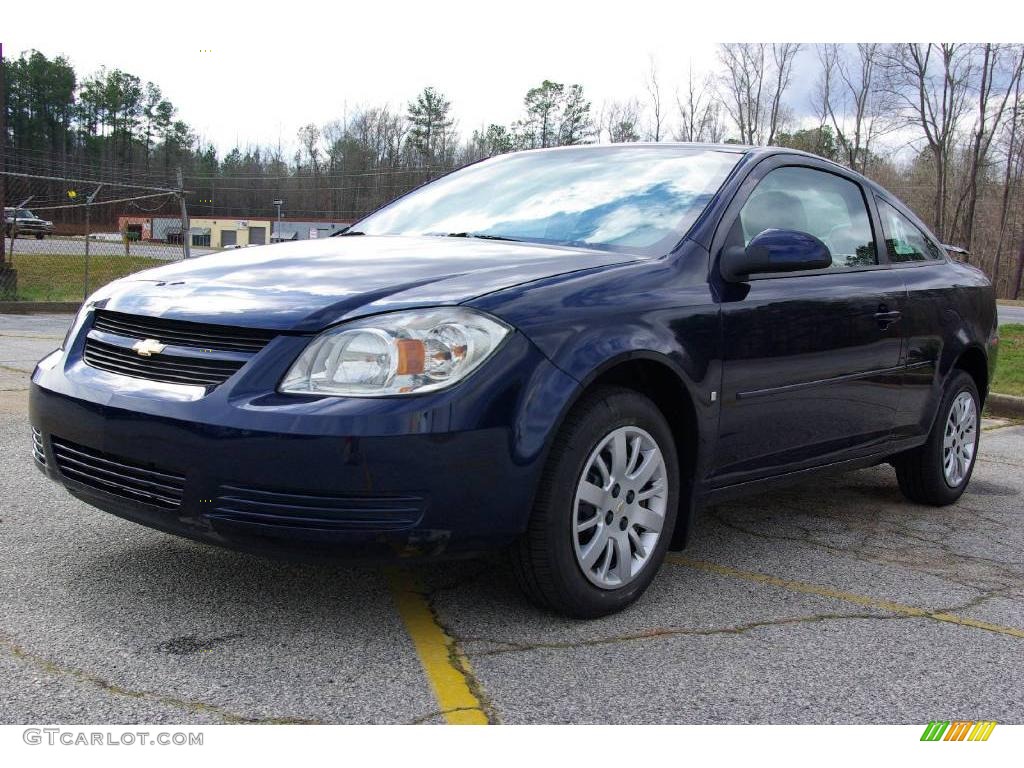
(774, 250)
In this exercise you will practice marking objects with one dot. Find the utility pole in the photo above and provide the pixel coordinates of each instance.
(186, 235)
(280, 234)
(88, 232)
(3, 164)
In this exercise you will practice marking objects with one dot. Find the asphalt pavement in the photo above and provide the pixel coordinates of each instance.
(75, 246)
(1010, 314)
(834, 602)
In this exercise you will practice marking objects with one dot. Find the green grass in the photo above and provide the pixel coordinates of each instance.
(61, 277)
(1009, 378)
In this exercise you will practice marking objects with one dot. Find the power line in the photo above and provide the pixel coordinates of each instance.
(91, 181)
(102, 202)
(289, 177)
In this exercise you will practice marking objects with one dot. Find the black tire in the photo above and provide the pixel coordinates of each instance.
(544, 560)
(920, 471)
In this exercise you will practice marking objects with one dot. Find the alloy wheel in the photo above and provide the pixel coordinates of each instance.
(959, 439)
(619, 507)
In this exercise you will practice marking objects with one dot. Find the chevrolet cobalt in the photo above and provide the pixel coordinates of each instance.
(563, 353)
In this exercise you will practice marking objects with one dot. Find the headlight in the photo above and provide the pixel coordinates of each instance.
(76, 326)
(396, 354)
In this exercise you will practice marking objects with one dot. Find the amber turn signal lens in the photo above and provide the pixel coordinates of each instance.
(412, 355)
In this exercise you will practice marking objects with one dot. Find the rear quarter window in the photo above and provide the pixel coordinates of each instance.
(904, 240)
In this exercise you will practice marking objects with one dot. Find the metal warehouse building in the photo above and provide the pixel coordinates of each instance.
(214, 233)
(224, 232)
(289, 229)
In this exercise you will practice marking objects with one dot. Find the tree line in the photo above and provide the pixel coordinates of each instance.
(939, 124)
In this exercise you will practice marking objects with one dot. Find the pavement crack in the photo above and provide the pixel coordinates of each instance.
(194, 706)
(439, 713)
(662, 632)
(458, 659)
(893, 542)
(901, 610)
(456, 687)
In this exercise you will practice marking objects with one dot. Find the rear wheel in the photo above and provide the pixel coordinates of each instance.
(938, 472)
(605, 508)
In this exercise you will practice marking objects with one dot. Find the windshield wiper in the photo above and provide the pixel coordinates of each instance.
(347, 233)
(482, 236)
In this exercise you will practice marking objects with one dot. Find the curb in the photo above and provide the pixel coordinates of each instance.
(38, 307)
(1005, 406)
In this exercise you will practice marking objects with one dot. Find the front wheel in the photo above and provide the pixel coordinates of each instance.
(937, 472)
(605, 508)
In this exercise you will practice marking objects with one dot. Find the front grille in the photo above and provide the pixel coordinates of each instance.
(118, 476)
(169, 369)
(314, 510)
(38, 452)
(182, 333)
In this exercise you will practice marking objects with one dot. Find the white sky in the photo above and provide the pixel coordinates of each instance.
(275, 66)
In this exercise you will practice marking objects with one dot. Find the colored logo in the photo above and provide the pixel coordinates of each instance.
(958, 730)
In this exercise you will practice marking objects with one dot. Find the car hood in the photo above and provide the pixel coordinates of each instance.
(308, 285)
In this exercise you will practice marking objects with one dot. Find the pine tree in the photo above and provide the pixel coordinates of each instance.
(430, 135)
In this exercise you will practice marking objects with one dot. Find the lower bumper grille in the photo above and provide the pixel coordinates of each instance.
(118, 476)
(38, 451)
(310, 510)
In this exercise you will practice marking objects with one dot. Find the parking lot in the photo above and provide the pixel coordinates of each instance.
(834, 602)
(75, 246)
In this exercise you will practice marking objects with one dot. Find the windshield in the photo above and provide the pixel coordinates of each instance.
(636, 199)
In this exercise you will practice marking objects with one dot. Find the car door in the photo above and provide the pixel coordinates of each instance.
(929, 313)
(811, 360)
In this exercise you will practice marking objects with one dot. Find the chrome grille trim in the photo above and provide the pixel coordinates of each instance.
(183, 333)
(169, 369)
(315, 510)
(38, 448)
(118, 476)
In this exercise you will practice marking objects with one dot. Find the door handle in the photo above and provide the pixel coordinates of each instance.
(885, 317)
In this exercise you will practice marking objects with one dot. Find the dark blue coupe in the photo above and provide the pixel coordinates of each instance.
(564, 352)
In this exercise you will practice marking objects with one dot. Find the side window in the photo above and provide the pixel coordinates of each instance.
(822, 204)
(903, 240)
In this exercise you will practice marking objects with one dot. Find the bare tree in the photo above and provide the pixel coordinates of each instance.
(783, 56)
(995, 89)
(742, 83)
(700, 117)
(1011, 181)
(309, 140)
(851, 101)
(931, 83)
(653, 87)
(753, 82)
(620, 121)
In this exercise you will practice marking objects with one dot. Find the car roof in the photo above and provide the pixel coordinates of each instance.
(738, 149)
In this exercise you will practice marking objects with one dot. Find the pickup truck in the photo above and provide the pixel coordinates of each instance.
(25, 222)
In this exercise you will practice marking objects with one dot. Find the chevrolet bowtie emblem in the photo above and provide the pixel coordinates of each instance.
(148, 347)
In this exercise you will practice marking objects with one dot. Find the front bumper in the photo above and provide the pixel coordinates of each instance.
(447, 474)
(33, 229)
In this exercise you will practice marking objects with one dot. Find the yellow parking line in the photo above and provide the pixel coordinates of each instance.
(444, 664)
(838, 594)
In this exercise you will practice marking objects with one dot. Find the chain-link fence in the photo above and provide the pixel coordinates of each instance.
(65, 236)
